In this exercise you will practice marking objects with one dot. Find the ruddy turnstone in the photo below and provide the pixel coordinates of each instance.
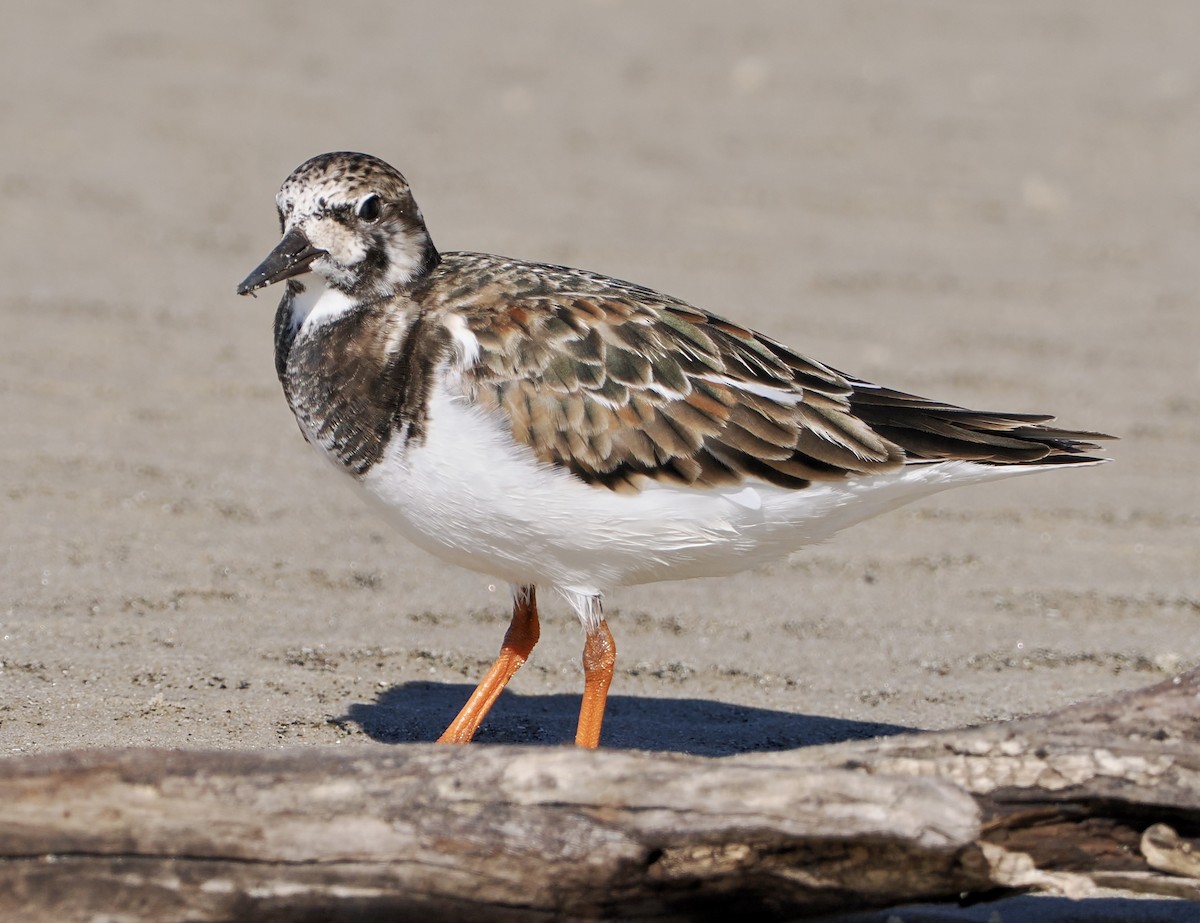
(555, 427)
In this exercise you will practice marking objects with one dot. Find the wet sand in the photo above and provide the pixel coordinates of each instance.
(994, 205)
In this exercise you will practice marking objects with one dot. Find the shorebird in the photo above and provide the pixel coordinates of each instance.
(555, 427)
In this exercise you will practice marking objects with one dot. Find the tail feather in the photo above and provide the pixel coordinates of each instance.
(932, 431)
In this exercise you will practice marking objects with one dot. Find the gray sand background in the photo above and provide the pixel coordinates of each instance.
(994, 204)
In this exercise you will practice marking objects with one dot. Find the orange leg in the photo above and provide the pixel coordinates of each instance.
(599, 656)
(519, 640)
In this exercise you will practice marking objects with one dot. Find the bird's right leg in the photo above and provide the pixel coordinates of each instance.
(522, 635)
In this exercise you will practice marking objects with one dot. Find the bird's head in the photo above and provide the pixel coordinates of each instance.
(351, 219)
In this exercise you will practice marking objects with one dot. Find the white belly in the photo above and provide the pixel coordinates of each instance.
(472, 497)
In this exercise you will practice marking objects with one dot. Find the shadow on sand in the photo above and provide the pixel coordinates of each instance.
(419, 711)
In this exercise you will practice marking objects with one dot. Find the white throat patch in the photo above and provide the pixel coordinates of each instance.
(318, 303)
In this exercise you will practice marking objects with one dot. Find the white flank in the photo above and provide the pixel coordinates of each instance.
(471, 496)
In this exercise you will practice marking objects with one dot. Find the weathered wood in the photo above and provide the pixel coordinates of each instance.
(463, 832)
(1068, 795)
(1104, 793)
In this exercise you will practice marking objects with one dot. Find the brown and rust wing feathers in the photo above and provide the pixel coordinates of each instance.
(618, 383)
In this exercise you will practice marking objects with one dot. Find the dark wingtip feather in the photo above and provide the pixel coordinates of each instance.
(932, 431)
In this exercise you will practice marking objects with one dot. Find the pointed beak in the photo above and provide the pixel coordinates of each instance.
(290, 257)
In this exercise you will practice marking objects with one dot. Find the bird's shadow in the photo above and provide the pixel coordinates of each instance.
(419, 711)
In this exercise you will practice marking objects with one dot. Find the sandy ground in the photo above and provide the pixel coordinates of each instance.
(994, 204)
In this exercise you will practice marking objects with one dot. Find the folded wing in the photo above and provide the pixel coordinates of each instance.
(619, 384)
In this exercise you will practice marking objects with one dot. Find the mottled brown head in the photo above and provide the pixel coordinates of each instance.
(352, 219)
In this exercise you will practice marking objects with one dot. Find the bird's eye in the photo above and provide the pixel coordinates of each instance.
(370, 208)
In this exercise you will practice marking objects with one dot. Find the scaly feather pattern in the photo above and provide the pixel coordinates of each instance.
(619, 384)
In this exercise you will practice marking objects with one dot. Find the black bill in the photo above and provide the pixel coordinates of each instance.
(290, 257)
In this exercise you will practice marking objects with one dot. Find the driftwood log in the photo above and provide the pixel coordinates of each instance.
(1103, 794)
